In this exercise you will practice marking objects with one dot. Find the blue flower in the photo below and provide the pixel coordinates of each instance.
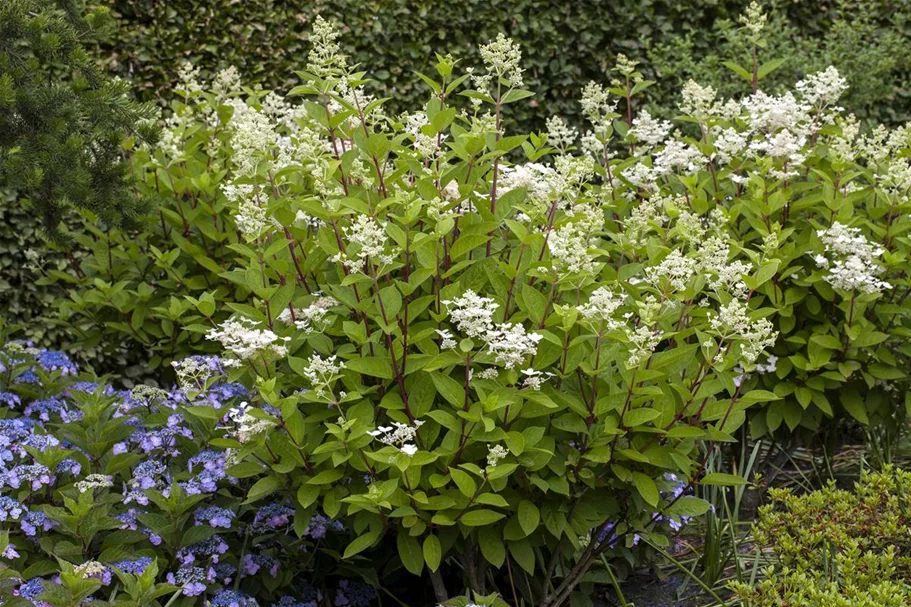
(232, 598)
(214, 517)
(354, 593)
(9, 399)
(135, 566)
(56, 361)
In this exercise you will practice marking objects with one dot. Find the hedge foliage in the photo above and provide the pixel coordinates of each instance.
(565, 44)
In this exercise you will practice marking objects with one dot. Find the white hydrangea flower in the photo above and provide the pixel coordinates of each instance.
(472, 313)
(643, 341)
(754, 19)
(398, 435)
(94, 481)
(447, 341)
(601, 307)
(698, 101)
(325, 57)
(559, 134)
(852, 260)
(569, 250)
(535, 379)
(321, 372)
(824, 88)
(676, 270)
(503, 57)
(732, 322)
(648, 130)
(495, 454)
(242, 338)
(371, 236)
(511, 345)
(246, 426)
(311, 318)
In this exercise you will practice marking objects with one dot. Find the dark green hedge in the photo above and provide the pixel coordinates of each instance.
(565, 43)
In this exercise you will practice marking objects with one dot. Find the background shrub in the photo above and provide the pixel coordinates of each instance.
(836, 548)
(565, 45)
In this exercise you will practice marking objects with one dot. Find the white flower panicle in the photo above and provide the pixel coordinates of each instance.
(698, 101)
(472, 314)
(94, 481)
(535, 379)
(601, 307)
(311, 318)
(824, 88)
(648, 130)
(559, 134)
(247, 426)
(754, 19)
(503, 57)
(366, 232)
(495, 454)
(643, 341)
(732, 322)
(242, 338)
(321, 372)
(569, 250)
(511, 345)
(325, 57)
(447, 341)
(851, 260)
(398, 435)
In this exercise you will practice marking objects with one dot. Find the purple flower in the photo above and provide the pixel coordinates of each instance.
(210, 548)
(9, 399)
(56, 361)
(36, 520)
(214, 517)
(36, 475)
(224, 572)
(49, 408)
(319, 525)
(231, 598)
(192, 579)
(290, 601)
(212, 470)
(354, 593)
(11, 509)
(69, 466)
(135, 566)
(272, 516)
(255, 562)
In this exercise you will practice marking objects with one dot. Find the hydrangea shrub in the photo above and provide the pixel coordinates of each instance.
(498, 357)
(134, 497)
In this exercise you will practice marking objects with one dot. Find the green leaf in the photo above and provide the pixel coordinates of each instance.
(646, 488)
(433, 552)
(529, 517)
(688, 506)
(492, 547)
(768, 67)
(361, 543)
(464, 482)
(449, 389)
(639, 417)
(481, 517)
(410, 553)
(262, 488)
(373, 366)
(738, 70)
(854, 405)
(722, 479)
(514, 95)
(326, 477)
